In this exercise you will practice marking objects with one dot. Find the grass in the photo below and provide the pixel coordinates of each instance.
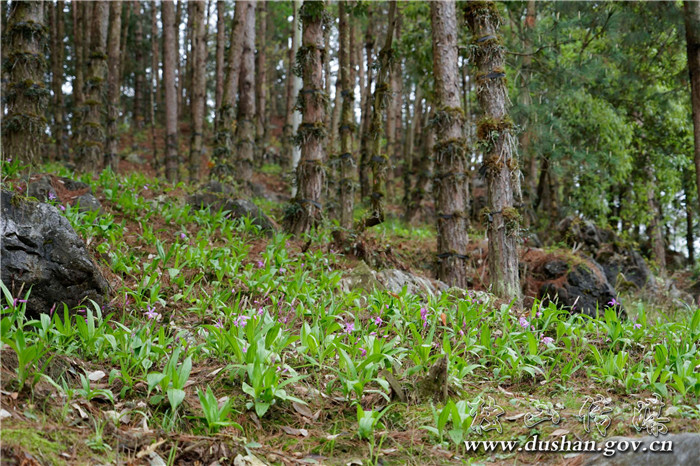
(221, 341)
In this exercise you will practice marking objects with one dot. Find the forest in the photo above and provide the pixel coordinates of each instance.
(349, 232)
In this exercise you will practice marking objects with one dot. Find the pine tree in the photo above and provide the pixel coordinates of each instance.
(91, 148)
(113, 53)
(245, 116)
(495, 133)
(25, 123)
(171, 95)
(306, 209)
(692, 37)
(346, 159)
(450, 184)
(199, 83)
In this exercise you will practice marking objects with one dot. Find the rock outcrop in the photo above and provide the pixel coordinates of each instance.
(218, 196)
(40, 250)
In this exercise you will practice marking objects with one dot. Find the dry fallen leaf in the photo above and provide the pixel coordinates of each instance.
(515, 417)
(295, 432)
(559, 432)
(303, 410)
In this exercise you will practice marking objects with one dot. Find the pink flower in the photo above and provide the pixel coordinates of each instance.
(240, 321)
(52, 196)
(183, 236)
(219, 324)
(539, 314)
(349, 327)
(523, 322)
(261, 264)
(363, 352)
(51, 311)
(637, 326)
(547, 340)
(424, 316)
(613, 302)
(378, 320)
(62, 207)
(151, 313)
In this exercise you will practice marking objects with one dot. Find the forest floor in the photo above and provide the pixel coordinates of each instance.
(223, 341)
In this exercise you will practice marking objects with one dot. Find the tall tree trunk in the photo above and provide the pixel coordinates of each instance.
(495, 131)
(393, 117)
(92, 130)
(199, 84)
(346, 159)
(656, 234)
(220, 49)
(423, 167)
(526, 102)
(180, 62)
(140, 66)
(57, 56)
(306, 209)
(692, 37)
(293, 86)
(78, 84)
(171, 95)
(24, 126)
(126, 21)
(409, 146)
(382, 92)
(366, 111)
(245, 117)
(261, 81)
(450, 186)
(113, 52)
(155, 87)
(223, 153)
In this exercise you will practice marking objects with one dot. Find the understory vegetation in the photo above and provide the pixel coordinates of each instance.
(221, 340)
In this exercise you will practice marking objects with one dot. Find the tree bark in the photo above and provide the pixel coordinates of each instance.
(180, 63)
(423, 167)
(495, 131)
(223, 153)
(155, 87)
(245, 117)
(113, 52)
(199, 84)
(306, 208)
(126, 21)
(140, 66)
(293, 85)
(92, 130)
(346, 159)
(526, 102)
(57, 56)
(220, 49)
(366, 111)
(450, 184)
(171, 94)
(78, 84)
(692, 37)
(377, 161)
(409, 146)
(23, 127)
(261, 81)
(656, 234)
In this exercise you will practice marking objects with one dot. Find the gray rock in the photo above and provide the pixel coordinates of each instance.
(686, 451)
(88, 203)
(41, 251)
(218, 196)
(394, 280)
(360, 278)
(44, 187)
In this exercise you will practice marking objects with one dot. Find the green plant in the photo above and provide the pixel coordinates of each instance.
(215, 415)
